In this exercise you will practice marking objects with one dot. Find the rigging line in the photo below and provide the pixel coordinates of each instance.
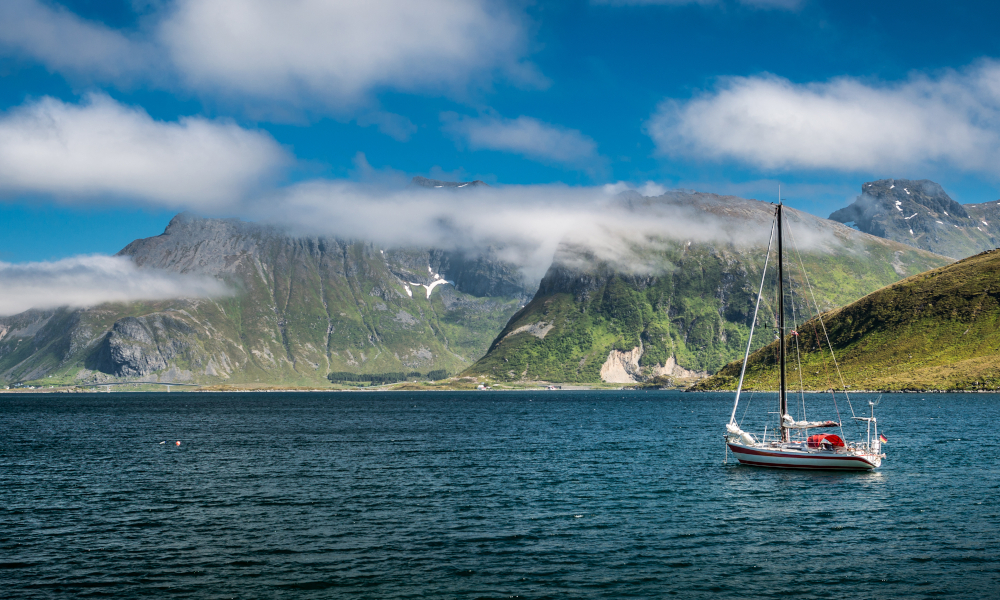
(798, 362)
(746, 410)
(826, 372)
(819, 315)
(767, 257)
(753, 393)
(795, 330)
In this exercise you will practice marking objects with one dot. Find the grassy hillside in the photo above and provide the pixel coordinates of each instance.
(937, 330)
(689, 316)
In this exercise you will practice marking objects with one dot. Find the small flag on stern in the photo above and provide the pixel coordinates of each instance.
(883, 439)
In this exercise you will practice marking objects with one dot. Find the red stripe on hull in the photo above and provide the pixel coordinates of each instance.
(789, 460)
(742, 450)
(805, 467)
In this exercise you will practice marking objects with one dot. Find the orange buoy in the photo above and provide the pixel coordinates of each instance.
(178, 442)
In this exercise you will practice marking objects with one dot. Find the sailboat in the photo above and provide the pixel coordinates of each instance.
(801, 449)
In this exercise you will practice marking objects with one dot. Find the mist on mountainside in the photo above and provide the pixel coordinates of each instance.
(525, 224)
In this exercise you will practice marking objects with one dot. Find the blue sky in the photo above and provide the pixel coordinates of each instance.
(117, 114)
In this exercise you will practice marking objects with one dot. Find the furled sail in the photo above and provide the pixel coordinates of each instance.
(738, 434)
(789, 423)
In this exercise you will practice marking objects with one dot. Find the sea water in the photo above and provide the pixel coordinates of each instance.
(549, 494)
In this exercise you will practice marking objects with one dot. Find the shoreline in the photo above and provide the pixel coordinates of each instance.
(527, 388)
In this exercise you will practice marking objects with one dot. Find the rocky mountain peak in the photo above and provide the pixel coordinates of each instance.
(920, 213)
(923, 192)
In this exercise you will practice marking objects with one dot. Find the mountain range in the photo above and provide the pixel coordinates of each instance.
(300, 308)
(663, 306)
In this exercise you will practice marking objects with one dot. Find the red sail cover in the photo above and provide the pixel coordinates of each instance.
(815, 441)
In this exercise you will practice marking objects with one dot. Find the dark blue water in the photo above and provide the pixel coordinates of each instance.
(480, 495)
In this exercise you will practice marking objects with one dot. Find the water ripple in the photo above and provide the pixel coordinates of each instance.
(479, 495)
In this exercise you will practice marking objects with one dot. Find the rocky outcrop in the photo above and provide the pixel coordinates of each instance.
(138, 346)
(539, 330)
(624, 367)
(672, 369)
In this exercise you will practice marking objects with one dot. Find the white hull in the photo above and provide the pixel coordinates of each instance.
(788, 458)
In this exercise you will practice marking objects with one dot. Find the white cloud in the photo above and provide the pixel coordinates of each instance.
(64, 42)
(89, 280)
(102, 148)
(651, 188)
(524, 135)
(844, 124)
(279, 58)
(312, 52)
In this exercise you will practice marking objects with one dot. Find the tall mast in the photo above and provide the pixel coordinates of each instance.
(782, 394)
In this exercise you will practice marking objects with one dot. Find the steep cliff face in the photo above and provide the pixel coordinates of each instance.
(300, 308)
(687, 311)
(922, 215)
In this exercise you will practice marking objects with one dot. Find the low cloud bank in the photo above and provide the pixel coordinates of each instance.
(528, 222)
(89, 280)
(526, 225)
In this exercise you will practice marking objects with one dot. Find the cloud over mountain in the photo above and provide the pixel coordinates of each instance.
(844, 124)
(527, 222)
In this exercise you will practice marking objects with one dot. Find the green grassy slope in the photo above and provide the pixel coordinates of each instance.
(937, 330)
